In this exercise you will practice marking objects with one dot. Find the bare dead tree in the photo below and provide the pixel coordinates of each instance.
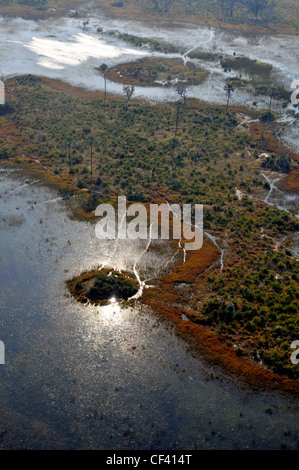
(128, 91)
(182, 91)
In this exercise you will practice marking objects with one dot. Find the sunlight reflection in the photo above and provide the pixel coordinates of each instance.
(57, 54)
(113, 313)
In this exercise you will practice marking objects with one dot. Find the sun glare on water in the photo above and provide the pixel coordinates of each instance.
(57, 54)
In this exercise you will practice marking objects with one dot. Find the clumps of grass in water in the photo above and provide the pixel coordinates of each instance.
(202, 55)
(278, 92)
(153, 44)
(252, 67)
(237, 82)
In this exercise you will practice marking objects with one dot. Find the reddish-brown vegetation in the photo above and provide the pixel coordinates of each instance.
(290, 182)
(270, 140)
(208, 343)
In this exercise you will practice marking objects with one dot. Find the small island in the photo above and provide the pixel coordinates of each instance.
(100, 287)
(153, 71)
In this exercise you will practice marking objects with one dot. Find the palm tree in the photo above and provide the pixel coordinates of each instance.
(229, 89)
(103, 69)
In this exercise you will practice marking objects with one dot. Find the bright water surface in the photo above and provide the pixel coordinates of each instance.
(105, 377)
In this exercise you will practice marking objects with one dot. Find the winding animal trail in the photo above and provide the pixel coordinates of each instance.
(185, 56)
(142, 284)
(222, 250)
(272, 187)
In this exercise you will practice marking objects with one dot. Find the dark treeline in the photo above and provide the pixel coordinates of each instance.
(258, 8)
(34, 3)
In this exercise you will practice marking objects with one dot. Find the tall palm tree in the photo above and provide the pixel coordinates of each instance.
(103, 69)
(229, 89)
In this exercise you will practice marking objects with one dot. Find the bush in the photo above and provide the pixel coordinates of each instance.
(108, 285)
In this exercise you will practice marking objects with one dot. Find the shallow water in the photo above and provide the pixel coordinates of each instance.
(105, 377)
(65, 49)
(281, 199)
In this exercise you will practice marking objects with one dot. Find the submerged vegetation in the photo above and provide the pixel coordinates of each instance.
(153, 44)
(246, 65)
